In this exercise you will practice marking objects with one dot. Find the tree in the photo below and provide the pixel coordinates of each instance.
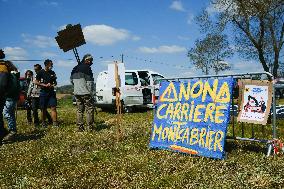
(210, 53)
(258, 28)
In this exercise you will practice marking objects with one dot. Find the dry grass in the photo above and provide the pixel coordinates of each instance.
(64, 158)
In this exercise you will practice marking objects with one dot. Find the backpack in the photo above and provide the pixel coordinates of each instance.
(4, 78)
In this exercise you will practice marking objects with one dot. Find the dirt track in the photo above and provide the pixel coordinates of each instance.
(60, 96)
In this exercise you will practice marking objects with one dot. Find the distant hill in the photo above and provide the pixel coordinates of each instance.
(65, 89)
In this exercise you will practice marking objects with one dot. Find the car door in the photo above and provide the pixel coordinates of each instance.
(132, 92)
(103, 92)
(156, 85)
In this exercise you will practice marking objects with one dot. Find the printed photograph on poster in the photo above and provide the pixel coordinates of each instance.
(256, 97)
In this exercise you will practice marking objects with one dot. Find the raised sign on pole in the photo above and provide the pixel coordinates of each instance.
(70, 38)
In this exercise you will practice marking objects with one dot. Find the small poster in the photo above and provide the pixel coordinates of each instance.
(256, 97)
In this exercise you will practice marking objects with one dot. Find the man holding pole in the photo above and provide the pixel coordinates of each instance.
(83, 81)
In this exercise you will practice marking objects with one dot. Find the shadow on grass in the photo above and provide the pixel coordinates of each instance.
(22, 137)
(246, 146)
(100, 125)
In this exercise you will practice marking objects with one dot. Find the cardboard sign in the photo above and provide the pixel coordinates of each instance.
(111, 75)
(192, 117)
(256, 98)
(70, 38)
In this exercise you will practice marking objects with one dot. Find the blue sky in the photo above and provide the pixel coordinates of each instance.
(152, 34)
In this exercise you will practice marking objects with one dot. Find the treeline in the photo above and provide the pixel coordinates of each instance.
(65, 89)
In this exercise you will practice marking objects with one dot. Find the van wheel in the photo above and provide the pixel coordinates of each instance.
(127, 109)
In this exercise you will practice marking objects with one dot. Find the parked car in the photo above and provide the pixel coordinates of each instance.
(279, 88)
(137, 92)
(23, 93)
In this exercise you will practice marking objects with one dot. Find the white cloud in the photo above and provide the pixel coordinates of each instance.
(48, 54)
(177, 5)
(49, 3)
(106, 62)
(246, 66)
(183, 38)
(190, 18)
(62, 27)
(230, 7)
(15, 53)
(39, 41)
(106, 35)
(136, 38)
(65, 63)
(162, 49)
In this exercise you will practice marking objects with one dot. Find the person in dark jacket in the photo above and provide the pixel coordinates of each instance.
(4, 73)
(11, 102)
(83, 81)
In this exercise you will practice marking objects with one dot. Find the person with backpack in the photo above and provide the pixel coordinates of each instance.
(83, 81)
(28, 103)
(46, 79)
(4, 83)
(33, 94)
(12, 97)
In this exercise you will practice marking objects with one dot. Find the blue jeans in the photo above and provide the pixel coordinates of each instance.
(2, 104)
(9, 114)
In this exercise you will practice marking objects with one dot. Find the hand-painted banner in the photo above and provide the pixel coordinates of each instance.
(192, 116)
(256, 98)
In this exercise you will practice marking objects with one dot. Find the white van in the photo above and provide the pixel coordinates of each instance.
(137, 92)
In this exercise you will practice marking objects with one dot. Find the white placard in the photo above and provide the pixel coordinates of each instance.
(256, 101)
(111, 75)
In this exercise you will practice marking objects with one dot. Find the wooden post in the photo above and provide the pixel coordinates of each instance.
(117, 100)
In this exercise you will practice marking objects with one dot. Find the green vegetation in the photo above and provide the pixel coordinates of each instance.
(64, 158)
(65, 89)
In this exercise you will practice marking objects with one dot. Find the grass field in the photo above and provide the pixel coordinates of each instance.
(64, 158)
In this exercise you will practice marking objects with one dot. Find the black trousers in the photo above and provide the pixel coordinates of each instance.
(2, 104)
(34, 107)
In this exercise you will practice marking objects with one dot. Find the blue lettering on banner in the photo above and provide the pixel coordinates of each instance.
(192, 117)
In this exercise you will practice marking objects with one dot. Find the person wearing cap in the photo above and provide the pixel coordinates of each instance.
(83, 81)
(46, 79)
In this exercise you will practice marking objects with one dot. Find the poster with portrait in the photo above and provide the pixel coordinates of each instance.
(256, 98)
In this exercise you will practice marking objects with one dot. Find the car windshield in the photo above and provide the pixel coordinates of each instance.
(156, 78)
(131, 78)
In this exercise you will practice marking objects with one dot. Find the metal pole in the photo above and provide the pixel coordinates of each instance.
(233, 113)
(76, 55)
(274, 111)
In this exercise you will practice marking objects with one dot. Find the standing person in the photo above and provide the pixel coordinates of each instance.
(4, 82)
(33, 94)
(28, 103)
(46, 79)
(12, 97)
(83, 81)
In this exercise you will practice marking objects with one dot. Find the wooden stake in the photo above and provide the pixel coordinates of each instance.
(118, 102)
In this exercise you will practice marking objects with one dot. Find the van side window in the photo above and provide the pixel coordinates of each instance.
(156, 77)
(131, 78)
